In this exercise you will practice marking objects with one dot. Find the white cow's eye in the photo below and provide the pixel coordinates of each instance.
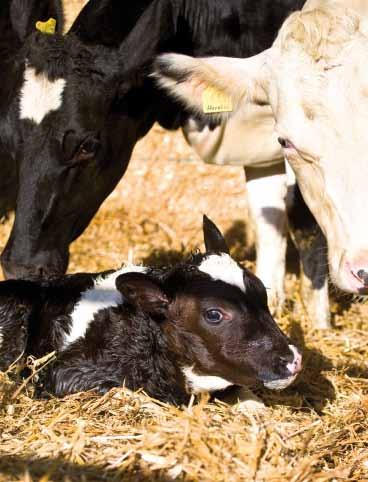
(285, 143)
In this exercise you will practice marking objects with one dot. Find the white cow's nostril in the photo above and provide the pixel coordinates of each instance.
(363, 276)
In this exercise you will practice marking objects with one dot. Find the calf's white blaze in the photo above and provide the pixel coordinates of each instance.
(223, 268)
(204, 383)
(103, 295)
(39, 95)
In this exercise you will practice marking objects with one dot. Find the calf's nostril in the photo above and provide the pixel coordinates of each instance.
(286, 359)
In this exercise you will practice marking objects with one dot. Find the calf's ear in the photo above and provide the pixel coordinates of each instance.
(141, 291)
(213, 238)
(213, 85)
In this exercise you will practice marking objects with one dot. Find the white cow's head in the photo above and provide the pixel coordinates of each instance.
(315, 77)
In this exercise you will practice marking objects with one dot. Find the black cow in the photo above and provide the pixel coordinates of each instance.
(17, 22)
(202, 325)
(76, 105)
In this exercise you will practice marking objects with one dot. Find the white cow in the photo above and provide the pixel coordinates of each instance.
(309, 93)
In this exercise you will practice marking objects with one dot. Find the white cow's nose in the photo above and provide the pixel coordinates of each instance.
(362, 274)
(353, 272)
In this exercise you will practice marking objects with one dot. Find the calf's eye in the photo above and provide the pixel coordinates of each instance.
(214, 316)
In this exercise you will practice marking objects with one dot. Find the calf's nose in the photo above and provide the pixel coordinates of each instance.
(295, 365)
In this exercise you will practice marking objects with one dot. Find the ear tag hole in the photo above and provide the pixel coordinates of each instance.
(48, 27)
(215, 100)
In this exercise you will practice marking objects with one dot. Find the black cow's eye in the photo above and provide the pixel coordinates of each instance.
(79, 150)
(87, 150)
(214, 316)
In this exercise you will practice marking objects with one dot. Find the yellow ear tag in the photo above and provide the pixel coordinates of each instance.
(215, 100)
(47, 27)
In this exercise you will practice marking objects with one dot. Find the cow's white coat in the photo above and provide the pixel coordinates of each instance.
(104, 294)
(222, 267)
(39, 95)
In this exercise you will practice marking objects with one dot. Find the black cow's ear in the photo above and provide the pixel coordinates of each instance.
(141, 291)
(213, 238)
(25, 13)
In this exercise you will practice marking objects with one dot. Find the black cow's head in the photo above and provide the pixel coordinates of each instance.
(82, 103)
(76, 138)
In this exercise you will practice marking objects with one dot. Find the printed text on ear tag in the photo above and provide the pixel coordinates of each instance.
(47, 27)
(215, 100)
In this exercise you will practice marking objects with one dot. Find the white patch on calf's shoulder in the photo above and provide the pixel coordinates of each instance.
(39, 95)
(222, 267)
(102, 295)
(204, 383)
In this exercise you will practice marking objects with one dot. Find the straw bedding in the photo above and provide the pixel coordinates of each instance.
(317, 430)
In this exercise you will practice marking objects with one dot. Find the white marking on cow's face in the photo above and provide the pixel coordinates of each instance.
(103, 295)
(1, 337)
(222, 267)
(204, 383)
(39, 95)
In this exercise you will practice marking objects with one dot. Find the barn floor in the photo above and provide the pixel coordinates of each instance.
(317, 430)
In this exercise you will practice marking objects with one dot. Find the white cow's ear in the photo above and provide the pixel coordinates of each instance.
(217, 85)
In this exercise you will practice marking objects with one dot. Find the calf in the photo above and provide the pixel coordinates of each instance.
(202, 325)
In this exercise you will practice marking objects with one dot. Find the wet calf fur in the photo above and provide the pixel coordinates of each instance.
(201, 325)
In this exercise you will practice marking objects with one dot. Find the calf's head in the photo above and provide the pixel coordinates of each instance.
(315, 80)
(215, 315)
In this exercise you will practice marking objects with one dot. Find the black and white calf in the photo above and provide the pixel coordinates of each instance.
(202, 325)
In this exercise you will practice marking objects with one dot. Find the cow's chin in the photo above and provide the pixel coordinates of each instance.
(280, 384)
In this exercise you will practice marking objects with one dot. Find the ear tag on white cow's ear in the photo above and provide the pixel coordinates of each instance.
(48, 27)
(215, 101)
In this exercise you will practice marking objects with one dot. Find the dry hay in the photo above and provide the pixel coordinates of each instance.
(317, 430)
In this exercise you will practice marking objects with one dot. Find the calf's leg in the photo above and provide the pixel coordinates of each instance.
(266, 189)
(72, 374)
(312, 247)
